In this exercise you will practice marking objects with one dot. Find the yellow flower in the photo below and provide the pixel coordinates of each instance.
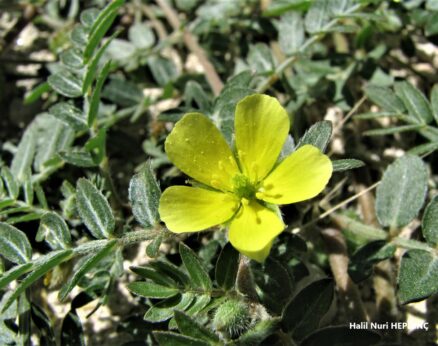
(242, 188)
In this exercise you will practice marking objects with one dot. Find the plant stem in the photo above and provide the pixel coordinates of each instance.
(193, 45)
(245, 280)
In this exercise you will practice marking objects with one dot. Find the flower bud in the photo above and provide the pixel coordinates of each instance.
(232, 318)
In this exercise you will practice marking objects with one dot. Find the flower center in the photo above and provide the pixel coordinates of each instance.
(243, 188)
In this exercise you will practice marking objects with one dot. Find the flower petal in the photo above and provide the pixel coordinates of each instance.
(190, 209)
(253, 229)
(198, 149)
(300, 176)
(261, 126)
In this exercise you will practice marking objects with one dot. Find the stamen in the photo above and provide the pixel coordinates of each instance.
(260, 195)
(244, 201)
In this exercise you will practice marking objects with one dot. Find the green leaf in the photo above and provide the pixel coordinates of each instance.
(201, 301)
(194, 266)
(54, 136)
(165, 309)
(90, 263)
(172, 271)
(14, 273)
(423, 148)
(401, 192)
(260, 58)
(28, 192)
(434, 102)
(418, 276)
(291, 32)
(95, 97)
(318, 135)
(96, 146)
(93, 65)
(41, 197)
(14, 245)
(42, 266)
(341, 335)
(72, 58)
(43, 323)
(144, 195)
(141, 36)
(153, 248)
(258, 333)
(94, 210)
(346, 164)
(415, 102)
(163, 70)
(54, 230)
(152, 290)
(235, 90)
(304, 312)
(393, 130)
(89, 16)
(431, 27)
(154, 275)
(72, 333)
(385, 99)
(174, 339)
(11, 184)
(189, 327)
(22, 161)
(275, 283)
(317, 16)
(193, 91)
(430, 222)
(36, 93)
(100, 26)
(79, 36)
(69, 114)
(361, 263)
(66, 84)
(78, 158)
(339, 7)
(279, 7)
(226, 267)
(432, 5)
(122, 92)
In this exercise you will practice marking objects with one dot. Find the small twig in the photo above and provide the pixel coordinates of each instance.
(193, 45)
(350, 113)
(339, 205)
(338, 259)
(159, 27)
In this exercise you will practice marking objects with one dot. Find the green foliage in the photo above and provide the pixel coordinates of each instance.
(226, 267)
(94, 209)
(14, 245)
(144, 195)
(430, 222)
(305, 311)
(55, 231)
(418, 276)
(318, 135)
(82, 164)
(401, 193)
